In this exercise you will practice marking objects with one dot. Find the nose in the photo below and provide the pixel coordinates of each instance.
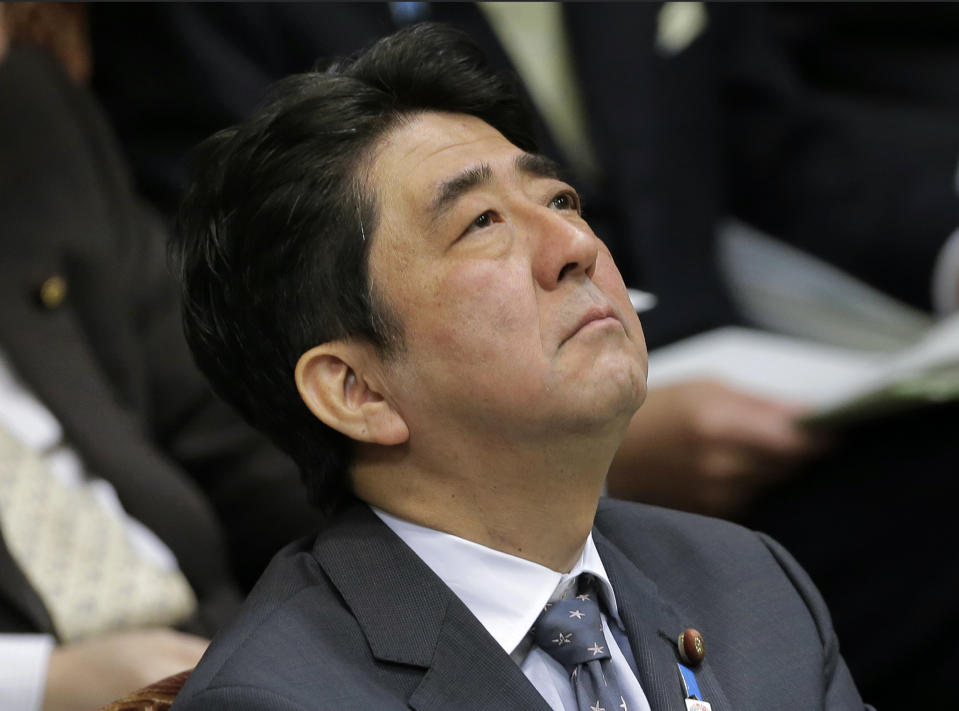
(564, 248)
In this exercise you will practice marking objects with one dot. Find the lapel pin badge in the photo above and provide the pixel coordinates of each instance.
(692, 648)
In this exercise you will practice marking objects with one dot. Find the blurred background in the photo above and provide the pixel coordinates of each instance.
(782, 178)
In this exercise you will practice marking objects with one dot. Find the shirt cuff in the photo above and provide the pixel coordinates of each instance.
(24, 659)
(945, 277)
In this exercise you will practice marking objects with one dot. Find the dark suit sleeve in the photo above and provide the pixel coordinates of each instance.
(239, 698)
(842, 135)
(841, 692)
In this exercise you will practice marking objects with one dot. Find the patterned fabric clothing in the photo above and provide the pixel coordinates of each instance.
(571, 631)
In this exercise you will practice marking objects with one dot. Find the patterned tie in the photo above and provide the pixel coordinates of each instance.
(76, 554)
(571, 631)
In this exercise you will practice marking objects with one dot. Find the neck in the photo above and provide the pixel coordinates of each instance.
(536, 503)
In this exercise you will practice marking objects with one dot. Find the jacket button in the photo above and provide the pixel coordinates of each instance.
(692, 648)
(53, 291)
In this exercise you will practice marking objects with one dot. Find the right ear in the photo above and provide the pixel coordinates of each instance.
(339, 382)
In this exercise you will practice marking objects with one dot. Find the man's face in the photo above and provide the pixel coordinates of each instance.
(516, 322)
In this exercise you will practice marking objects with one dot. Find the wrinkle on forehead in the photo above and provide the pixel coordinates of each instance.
(405, 164)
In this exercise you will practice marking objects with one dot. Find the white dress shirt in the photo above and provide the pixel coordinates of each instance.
(506, 594)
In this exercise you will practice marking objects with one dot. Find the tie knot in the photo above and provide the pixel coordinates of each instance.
(571, 630)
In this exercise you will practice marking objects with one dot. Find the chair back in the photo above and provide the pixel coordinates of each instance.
(158, 696)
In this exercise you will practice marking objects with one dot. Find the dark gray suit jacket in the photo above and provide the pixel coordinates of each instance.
(355, 620)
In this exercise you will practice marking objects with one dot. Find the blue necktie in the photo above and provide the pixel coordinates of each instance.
(571, 631)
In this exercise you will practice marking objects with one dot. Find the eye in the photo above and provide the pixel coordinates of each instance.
(566, 200)
(484, 220)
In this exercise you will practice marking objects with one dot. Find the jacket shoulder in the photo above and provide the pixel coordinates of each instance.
(745, 593)
(628, 523)
(294, 640)
(675, 547)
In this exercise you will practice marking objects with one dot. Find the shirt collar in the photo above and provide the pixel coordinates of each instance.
(504, 592)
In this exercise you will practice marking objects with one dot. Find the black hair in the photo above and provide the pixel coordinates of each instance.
(276, 226)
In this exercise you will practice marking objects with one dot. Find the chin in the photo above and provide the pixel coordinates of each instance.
(605, 406)
(632, 400)
(627, 394)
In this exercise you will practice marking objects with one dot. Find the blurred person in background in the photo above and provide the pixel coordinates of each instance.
(664, 111)
(135, 508)
(843, 139)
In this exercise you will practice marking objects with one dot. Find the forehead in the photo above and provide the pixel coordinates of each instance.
(412, 162)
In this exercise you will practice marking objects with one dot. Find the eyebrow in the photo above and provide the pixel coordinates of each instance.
(451, 190)
(538, 166)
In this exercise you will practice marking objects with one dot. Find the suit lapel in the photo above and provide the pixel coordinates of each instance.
(409, 616)
(471, 671)
(653, 627)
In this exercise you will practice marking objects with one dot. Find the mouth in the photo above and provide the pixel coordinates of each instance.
(596, 316)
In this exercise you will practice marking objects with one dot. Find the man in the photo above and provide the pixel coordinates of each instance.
(102, 412)
(652, 80)
(381, 272)
(703, 446)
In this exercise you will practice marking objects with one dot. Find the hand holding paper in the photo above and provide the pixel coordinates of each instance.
(705, 447)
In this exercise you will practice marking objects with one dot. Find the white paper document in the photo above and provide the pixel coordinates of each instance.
(840, 384)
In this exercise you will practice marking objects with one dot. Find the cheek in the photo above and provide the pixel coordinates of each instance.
(478, 335)
(481, 306)
(473, 341)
